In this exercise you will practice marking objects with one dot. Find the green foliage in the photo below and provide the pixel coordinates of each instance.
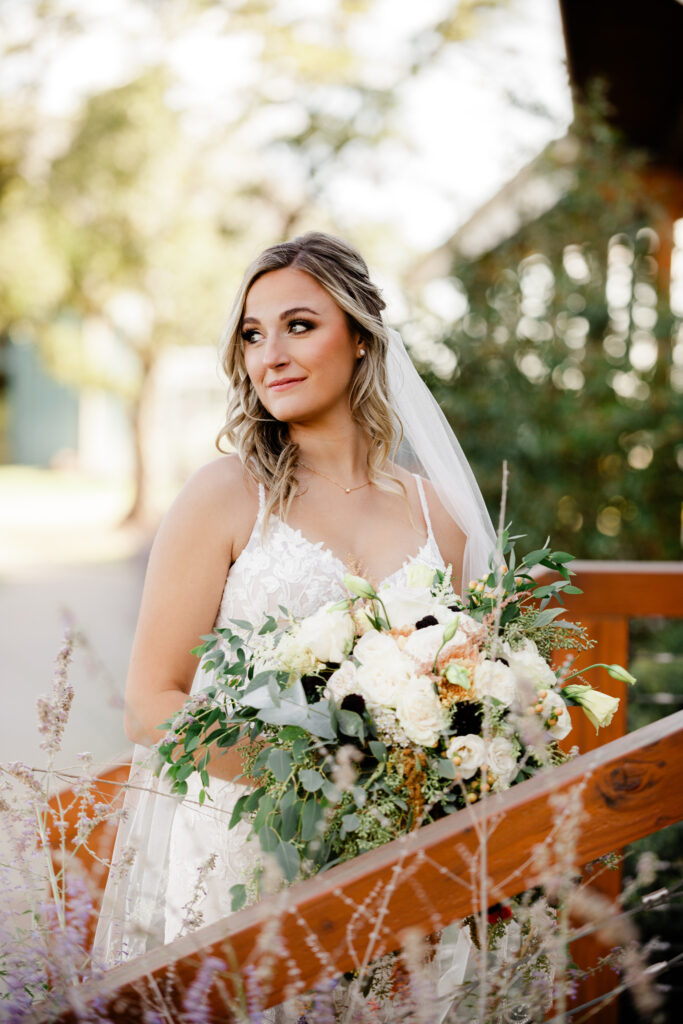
(544, 376)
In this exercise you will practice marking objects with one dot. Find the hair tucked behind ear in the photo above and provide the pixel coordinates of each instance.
(263, 442)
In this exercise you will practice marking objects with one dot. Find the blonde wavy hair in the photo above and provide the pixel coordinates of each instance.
(263, 442)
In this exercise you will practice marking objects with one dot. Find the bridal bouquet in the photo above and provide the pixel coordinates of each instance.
(386, 710)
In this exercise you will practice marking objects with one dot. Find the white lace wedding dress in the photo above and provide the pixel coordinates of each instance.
(183, 857)
(285, 569)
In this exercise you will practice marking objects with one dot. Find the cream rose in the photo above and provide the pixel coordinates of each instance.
(328, 633)
(467, 753)
(502, 760)
(383, 669)
(528, 665)
(420, 713)
(494, 679)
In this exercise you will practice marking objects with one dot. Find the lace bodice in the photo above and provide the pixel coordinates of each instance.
(281, 567)
(277, 567)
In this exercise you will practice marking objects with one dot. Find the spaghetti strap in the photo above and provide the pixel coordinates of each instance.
(423, 503)
(261, 500)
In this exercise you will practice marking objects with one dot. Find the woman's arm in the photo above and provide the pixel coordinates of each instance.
(449, 536)
(198, 540)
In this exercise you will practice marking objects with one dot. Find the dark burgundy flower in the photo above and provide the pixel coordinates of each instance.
(428, 620)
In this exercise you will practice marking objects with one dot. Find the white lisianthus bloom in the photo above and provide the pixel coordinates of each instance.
(502, 761)
(494, 679)
(419, 575)
(383, 669)
(528, 665)
(293, 656)
(407, 605)
(420, 713)
(328, 633)
(599, 707)
(361, 621)
(467, 753)
(358, 586)
(553, 704)
(343, 682)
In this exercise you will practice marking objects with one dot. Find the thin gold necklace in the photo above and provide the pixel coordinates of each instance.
(347, 490)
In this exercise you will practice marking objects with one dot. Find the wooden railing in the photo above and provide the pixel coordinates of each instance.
(631, 790)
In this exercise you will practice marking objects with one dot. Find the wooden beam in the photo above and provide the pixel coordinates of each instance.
(630, 789)
(626, 589)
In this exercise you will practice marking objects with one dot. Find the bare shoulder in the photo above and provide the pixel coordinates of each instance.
(217, 505)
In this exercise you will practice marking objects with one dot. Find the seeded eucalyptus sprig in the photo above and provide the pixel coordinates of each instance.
(513, 586)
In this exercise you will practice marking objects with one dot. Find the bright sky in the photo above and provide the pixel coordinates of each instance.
(473, 120)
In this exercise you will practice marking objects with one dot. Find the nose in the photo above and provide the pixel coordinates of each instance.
(274, 350)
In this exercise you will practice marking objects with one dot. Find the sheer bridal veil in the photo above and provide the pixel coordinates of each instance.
(133, 910)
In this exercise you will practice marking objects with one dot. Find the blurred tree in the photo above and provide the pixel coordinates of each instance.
(568, 361)
(137, 229)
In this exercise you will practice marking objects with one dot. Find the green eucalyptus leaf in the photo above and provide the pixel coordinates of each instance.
(311, 780)
(446, 768)
(311, 815)
(299, 747)
(238, 809)
(331, 792)
(238, 897)
(290, 811)
(268, 839)
(360, 796)
(351, 723)
(280, 764)
(534, 557)
(350, 823)
(545, 617)
(288, 858)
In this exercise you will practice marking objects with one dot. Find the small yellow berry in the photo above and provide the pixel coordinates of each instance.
(472, 798)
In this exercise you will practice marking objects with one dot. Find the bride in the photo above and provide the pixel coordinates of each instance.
(321, 394)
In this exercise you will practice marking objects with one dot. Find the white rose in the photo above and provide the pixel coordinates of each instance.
(528, 665)
(494, 679)
(553, 704)
(407, 605)
(502, 761)
(343, 682)
(420, 713)
(383, 670)
(328, 633)
(467, 753)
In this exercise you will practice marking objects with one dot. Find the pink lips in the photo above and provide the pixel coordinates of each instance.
(285, 383)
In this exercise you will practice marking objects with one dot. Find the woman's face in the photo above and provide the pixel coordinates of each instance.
(298, 350)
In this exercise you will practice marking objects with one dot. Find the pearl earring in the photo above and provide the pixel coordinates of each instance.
(361, 351)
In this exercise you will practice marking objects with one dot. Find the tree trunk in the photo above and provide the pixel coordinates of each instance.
(140, 512)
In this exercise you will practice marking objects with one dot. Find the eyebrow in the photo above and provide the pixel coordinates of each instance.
(283, 316)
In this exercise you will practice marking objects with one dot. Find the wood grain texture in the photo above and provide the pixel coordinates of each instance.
(630, 789)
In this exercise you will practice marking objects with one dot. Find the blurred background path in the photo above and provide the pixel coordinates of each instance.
(63, 560)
